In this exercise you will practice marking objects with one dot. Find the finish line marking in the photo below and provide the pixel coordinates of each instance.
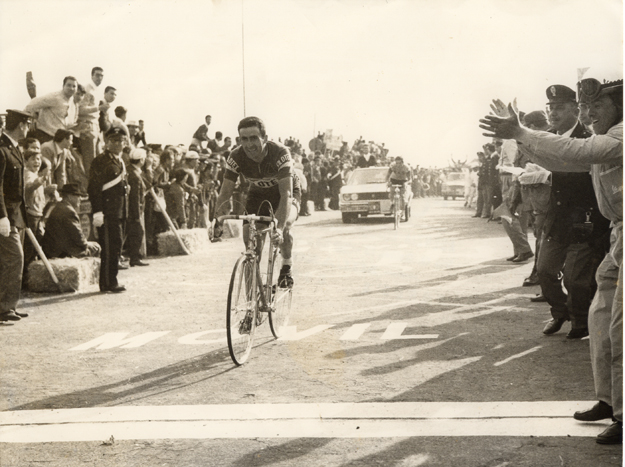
(325, 420)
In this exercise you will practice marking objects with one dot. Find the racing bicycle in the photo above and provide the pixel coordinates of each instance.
(252, 297)
(397, 205)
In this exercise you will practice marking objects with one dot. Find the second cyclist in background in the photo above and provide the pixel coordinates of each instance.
(399, 174)
(273, 187)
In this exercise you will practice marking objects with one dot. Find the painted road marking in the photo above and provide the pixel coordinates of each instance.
(519, 355)
(395, 330)
(324, 420)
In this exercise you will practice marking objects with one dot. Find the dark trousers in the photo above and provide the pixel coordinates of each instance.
(110, 238)
(11, 266)
(134, 239)
(487, 192)
(578, 263)
(304, 206)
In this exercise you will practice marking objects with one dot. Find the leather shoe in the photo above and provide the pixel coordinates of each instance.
(21, 314)
(539, 298)
(116, 289)
(511, 258)
(138, 263)
(577, 333)
(553, 325)
(530, 281)
(612, 434)
(477, 215)
(523, 257)
(9, 316)
(597, 412)
(122, 265)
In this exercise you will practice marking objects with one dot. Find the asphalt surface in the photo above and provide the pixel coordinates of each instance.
(415, 347)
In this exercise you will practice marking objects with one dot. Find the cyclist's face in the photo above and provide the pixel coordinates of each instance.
(252, 141)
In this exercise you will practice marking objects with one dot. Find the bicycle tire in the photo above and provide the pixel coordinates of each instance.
(242, 310)
(396, 213)
(281, 300)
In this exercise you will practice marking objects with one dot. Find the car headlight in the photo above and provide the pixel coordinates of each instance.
(354, 196)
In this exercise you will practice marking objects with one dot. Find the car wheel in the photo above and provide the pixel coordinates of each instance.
(349, 217)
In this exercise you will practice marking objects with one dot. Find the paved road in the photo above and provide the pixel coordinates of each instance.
(411, 347)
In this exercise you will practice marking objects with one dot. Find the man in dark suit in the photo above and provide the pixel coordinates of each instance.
(64, 237)
(12, 214)
(108, 194)
(575, 234)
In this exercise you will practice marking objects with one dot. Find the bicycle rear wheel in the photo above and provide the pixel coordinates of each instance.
(280, 304)
(242, 309)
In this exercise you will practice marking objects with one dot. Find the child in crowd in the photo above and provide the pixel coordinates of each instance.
(36, 191)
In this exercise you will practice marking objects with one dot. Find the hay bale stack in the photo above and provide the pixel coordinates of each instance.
(192, 238)
(74, 274)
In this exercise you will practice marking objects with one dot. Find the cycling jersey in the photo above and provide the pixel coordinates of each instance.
(400, 172)
(263, 176)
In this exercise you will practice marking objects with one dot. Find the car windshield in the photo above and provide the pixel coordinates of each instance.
(366, 176)
(454, 177)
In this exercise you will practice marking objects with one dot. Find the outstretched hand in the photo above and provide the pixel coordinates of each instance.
(502, 127)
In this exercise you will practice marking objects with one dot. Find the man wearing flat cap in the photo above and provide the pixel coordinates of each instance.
(602, 156)
(108, 195)
(135, 231)
(12, 213)
(63, 236)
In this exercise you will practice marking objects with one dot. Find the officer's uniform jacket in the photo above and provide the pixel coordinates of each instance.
(573, 202)
(12, 193)
(108, 186)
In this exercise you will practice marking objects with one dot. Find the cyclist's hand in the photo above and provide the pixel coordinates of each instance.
(218, 230)
(277, 236)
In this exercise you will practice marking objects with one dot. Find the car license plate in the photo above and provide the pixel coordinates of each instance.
(354, 208)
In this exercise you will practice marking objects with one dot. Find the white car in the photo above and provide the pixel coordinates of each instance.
(366, 193)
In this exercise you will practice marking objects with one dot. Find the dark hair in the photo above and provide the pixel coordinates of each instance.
(30, 153)
(96, 68)
(219, 134)
(251, 122)
(208, 116)
(80, 89)
(109, 88)
(27, 142)
(69, 78)
(61, 135)
(119, 111)
(165, 156)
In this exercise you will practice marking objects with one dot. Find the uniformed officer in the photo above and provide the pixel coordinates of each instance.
(575, 233)
(12, 214)
(108, 195)
(602, 155)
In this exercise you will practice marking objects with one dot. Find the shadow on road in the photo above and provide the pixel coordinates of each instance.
(285, 452)
(169, 378)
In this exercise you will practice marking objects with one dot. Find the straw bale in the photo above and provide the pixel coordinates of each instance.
(74, 274)
(192, 238)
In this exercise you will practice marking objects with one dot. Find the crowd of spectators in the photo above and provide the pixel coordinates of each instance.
(561, 171)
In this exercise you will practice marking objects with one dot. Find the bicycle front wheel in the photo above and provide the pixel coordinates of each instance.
(396, 212)
(281, 298)
(242, 309)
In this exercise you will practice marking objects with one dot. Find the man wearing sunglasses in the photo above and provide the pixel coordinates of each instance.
(602, 155)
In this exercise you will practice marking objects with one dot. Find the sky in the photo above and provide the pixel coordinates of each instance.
(415, 75)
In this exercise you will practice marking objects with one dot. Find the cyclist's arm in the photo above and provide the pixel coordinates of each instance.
(286, 200)
(224, 195)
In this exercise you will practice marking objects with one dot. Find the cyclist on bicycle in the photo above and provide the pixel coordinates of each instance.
(274, 187)
(398, 174)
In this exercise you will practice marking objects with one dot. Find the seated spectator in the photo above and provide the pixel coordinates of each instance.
(63, 233)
